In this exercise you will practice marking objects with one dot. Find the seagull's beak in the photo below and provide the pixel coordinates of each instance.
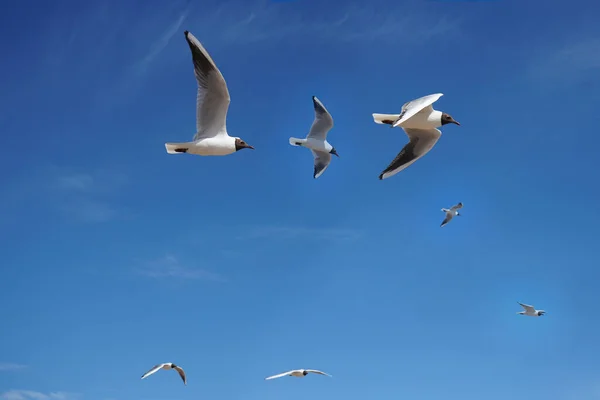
(334, 152)
(455, 122)
(249, 147)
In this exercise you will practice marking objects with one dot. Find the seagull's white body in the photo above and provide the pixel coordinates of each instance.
(530, 311)
(316, 140)
(212, 103)
(419, 121)
(167, 366)
(298, 373)
(450, 213)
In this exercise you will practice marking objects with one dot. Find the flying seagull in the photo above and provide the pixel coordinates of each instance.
(167, 366)
(298, 373)
(419, 121)
(212, 103)
(316, 140)
(530, 311)
(450, 213)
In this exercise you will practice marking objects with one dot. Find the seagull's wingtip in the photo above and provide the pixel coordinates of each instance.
(186, 33)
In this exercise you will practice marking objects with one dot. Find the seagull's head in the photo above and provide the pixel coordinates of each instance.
(240, 144)
(447, 119)
(541, 312)
(334, 152)
(305, 372)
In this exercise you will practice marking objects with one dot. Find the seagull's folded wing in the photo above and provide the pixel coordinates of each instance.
(278, 375)
(153, 370)
(323, 121)
(181, 373)
(527, 307)
(213, 99)
(316, 371)
(446, 220)
(421, 141)
(322, 160)
(415, 106)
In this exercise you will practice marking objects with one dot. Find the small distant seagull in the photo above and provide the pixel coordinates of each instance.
(450, 213)
(298, 373)
(316, 140)
(530, 311)
(212, 103)
(167, 366)
(419, 121)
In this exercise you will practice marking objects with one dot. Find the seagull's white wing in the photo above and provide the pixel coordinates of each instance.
(415, 106)
(279, 375)
(181, 373)
(322, 160)
(527, 308)
(457, 207)
(153, 370)
(421, 141)
(449, 216)
(315, 371)
(323, 121)
(212, 101)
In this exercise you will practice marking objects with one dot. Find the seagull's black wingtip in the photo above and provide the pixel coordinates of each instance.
(186, 33)
(381, 177)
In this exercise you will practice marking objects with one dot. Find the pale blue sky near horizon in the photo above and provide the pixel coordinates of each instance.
(117, 256)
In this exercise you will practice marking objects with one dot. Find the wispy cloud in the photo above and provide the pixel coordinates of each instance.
(252, 22)
(158, 46)
(291, 232)
(11, 366)
(170, 267)
(17, 394)
(574, 60)
(89, 196)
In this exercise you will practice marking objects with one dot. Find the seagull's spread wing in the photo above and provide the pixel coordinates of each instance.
(181, 373)
(322, 160)
(415, 106)
(421, 141)
(323, 121)
(449, 216)
(527, 307)
(212, 101)
(457, 207)
(279, 375)
(153, 370)
(314, 371)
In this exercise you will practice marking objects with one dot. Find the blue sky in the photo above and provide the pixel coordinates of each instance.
(117, 256)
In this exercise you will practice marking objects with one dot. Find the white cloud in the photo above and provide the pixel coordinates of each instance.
(170, 267)
(252, 21)
(15, 394)
(89, 196)
(11, 366)
(566, 62)
(290, 232)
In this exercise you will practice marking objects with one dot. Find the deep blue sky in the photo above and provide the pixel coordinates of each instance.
(116, 256)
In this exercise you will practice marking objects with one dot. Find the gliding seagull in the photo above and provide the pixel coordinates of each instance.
(167, 366)
(212, 103)
(530, 311)
(450, 213)
(419, 121)
(298, 373)
(316, 140)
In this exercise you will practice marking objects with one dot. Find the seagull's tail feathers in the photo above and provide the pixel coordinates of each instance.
(176, 148)
(296, 142)
(387, 119)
